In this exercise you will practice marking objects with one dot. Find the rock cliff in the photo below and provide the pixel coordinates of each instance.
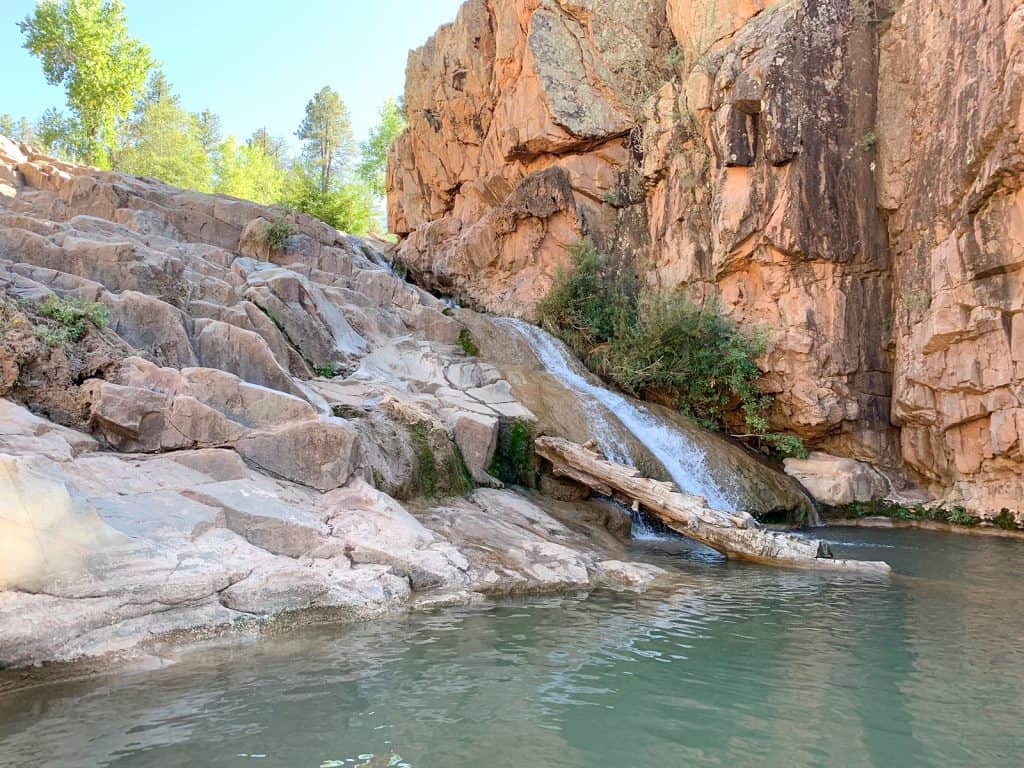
(845, 173)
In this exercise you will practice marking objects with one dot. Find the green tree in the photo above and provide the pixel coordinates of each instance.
(349, 207)
(22, 130)
(274, 147)
(59, 135)
(210, 133)
(84, 45)
(246, 171)
(373, 163)
(163, 140)
(327, 133)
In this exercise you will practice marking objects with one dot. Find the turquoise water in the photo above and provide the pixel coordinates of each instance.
(730, 665)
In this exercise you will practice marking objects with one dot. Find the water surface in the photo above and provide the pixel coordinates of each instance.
(729, 665)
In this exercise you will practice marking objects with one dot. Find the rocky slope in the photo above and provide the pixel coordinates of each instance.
(845, 173)
(254, 434)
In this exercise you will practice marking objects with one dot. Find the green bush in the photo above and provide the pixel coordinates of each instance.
(70, 317)
(466, 342)
(275, 233)
(326, 371)
(661, 346)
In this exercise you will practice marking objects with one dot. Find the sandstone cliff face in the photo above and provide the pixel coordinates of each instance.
(516, 134)
(951, 165)
(845, 173)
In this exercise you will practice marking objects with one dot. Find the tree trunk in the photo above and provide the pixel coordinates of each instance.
(737, 535)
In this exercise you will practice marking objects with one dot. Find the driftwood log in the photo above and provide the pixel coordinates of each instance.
(737, 535)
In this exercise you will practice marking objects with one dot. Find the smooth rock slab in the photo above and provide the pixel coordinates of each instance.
(321, 454)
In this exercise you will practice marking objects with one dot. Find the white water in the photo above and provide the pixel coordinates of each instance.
(685, 462)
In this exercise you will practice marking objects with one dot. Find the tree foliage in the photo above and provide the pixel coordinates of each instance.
(164, 141)
(84, 45)
(19, 130)
(246, 171)
(373, 163)
(125, 114)
(274, 147)
(326, 132)
(348, 207)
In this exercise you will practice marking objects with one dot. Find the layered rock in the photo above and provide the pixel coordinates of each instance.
(220, 441)
(951, 161)
(516, 135)
(814, 165)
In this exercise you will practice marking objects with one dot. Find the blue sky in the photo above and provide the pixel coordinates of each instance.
(254, 62)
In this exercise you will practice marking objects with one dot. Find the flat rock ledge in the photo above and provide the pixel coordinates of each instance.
(115, 556)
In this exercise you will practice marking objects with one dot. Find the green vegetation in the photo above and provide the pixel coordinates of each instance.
(514, 461)
(163, 140)
(1005, 521)
(84, 45)
(952, 515)
(248, 171)
(466, 342)
(348, 412)
(326, 371)
(275, 233)
(372, 168)
(125, 116)
(431, 478)
(69, 319)
(663, 347)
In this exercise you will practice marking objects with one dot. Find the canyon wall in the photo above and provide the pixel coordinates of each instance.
(844, 173)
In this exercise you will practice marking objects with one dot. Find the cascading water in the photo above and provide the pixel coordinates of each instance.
(684, 461)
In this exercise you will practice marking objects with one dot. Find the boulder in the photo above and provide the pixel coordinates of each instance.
(133, 419)
(835, 481)
(321, 454)
(477, 438)
(153, 327)
(243, 353)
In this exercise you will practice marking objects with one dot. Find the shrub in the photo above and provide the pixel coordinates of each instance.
(275, 233)
(661, 346)
(326, 371)
(71, 317)
(466, 342)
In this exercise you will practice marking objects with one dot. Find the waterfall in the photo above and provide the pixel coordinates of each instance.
(684, 461)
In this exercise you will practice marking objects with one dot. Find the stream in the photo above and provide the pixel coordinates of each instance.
(728, 665)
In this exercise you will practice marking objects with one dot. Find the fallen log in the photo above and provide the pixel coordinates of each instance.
(737, 535)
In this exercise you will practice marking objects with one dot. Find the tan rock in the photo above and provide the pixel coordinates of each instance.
(132, 419)
(835, 481)
(477, 437)
(322, 454)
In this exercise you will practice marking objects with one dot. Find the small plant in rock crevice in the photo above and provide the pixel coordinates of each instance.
(276, 232)
(326, 371)
(466, 342)
(433, 475)
(70, 318)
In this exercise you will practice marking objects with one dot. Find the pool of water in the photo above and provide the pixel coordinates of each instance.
(728, 665)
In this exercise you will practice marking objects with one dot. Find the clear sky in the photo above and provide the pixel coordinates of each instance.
(254, 62)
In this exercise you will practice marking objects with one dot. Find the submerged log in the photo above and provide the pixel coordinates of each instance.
(737, 535)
